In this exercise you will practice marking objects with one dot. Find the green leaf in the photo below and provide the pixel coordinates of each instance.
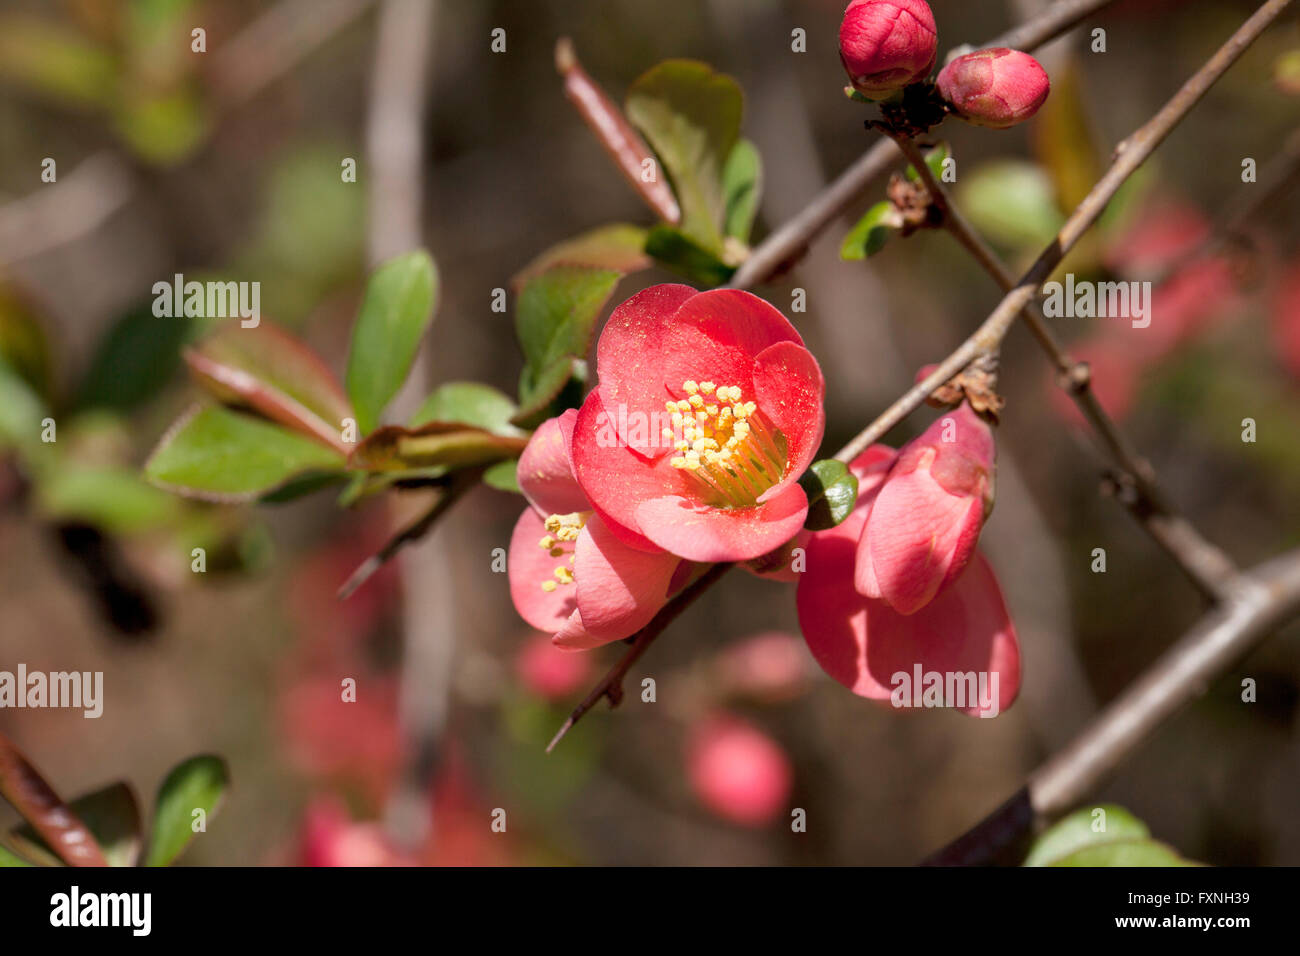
(691, 116)
(396, 312)
(270, 371)
(220, 455)
(934, 158)
(1125, 853)
(1076, 831)
(871, 232)
(197, 784)
(8, 858)
(468, 403)
(619, 247)
(56, 61)
(504, 476)
(832, 492)
(555, 320)
(1076, 840)
(675, 250)
(1013, 203)
(21, 413)
(742, 182)
(114, 499)
(437, 445)
(111, 814)
(135, 359)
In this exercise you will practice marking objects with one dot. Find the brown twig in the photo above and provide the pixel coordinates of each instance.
(24, 787)
(987, 339)
(1261, 600)
(787, 243)
(1135, 481)
(620, 140)
(611, 685)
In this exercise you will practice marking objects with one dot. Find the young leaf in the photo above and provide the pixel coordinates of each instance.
(742, 182)
(23, 343)
(113, 499)
(219, 455)
(23, 786)
(270, 371)
(555, 320)
(468, 403)
(437, 445)
(1013, 203)
(934, 158)
(677, 251)
(111, 814)
(871, 232)
(395, 314)
(832, 492)
(1076, 840)
(691, 116)
(504, 476)
(618, 247)
(199, 783)
(134, 360)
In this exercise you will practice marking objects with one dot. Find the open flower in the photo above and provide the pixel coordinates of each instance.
(872, 649)
(996, 87)
(568, 574)
(926, 517)
(887, 44)
(709, 409)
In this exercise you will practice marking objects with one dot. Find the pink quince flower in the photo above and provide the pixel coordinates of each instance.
(926, 517)
(864, 643)
(708, 411)
(569, 575)
(997, 87)
(887, 44)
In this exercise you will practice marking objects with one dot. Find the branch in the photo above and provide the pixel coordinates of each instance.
(788, 243)
(987, 339)
(1129, 155)
(1261, 600)
(611, 685)
(1135, 483)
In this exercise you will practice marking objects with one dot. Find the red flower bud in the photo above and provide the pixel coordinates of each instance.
(997, 88)
(887, 44)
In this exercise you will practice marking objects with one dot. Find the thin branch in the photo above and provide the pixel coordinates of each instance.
(1135, 482)
(1262, 600)
(611, 685)
(461, 483)
(78, 204)
(785, 245)
(1129, 155)
(987, 339)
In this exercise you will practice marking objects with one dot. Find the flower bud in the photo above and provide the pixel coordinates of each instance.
(887, 44)
(925, 520)
(997, 87)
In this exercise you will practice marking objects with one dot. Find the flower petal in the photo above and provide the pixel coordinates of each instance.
(790, 392)
(615, 478)
(669, 334)
(546, 470)
(619, 588)
(528, 566)
(722, 534)
(863, 643)
(918, 538)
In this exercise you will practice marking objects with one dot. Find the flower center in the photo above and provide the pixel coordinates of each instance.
(724, 444)
(561, 533)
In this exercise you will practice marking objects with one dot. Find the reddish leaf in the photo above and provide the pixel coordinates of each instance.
(273, 373)
(618, 247)
(26, 789)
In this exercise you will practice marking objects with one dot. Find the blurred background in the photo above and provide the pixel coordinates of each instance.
(226, 164)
